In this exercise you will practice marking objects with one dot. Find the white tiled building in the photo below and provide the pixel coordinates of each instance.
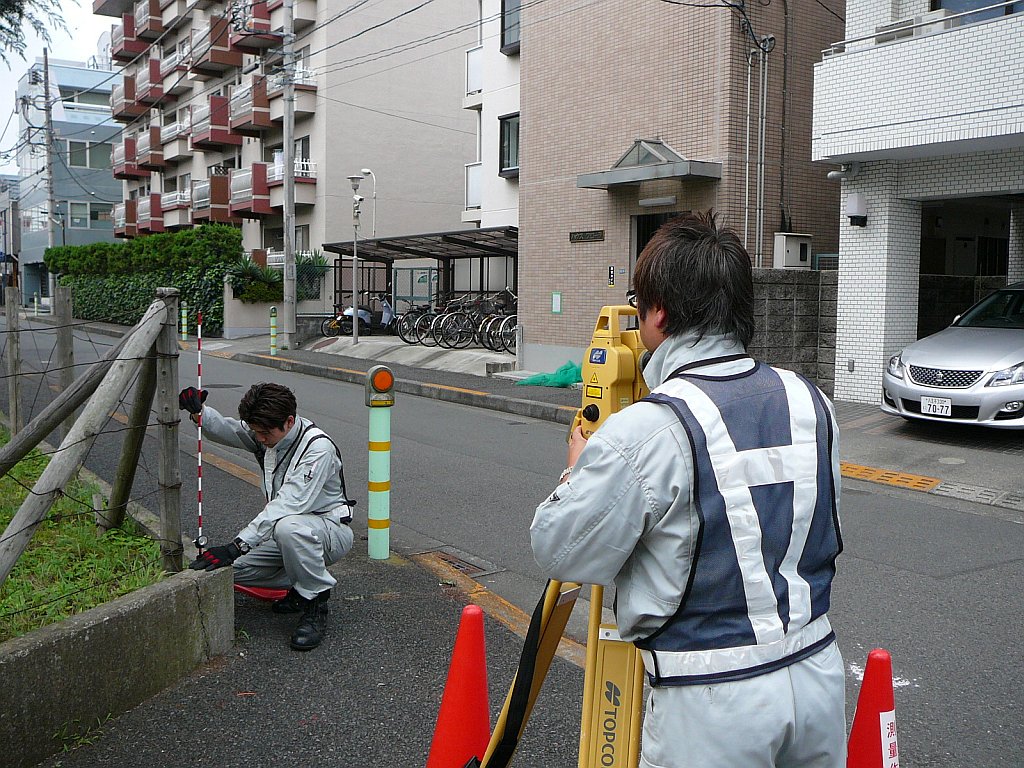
(923, 104)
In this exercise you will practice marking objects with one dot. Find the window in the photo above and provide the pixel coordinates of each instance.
(510, 26)
(962, 6)
(83, 154)
(101, 216)
(99, 156)
(79, 216)
(78, 154)
(508, 160)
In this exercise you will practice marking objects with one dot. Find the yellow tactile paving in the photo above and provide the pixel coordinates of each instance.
(888, 477)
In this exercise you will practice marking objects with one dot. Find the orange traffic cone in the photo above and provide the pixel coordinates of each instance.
(873, 736)
(464, 721)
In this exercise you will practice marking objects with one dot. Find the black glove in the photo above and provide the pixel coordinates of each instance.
(191, 399)
(216, 557)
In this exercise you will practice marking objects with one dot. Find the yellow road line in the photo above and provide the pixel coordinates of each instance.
(888, 477)
(497, 607)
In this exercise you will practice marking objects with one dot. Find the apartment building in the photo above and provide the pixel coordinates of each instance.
(923, 104)
(10, 229)
(201, 100)
(84, 190)
(634, 112)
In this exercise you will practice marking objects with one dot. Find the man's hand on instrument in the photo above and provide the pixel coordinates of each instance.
(191, 399)
(577, 442)
(216, 557)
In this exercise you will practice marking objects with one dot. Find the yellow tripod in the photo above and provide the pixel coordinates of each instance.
(613, 679)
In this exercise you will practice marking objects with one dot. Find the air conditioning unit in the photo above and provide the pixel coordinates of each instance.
(792, 251)
(915, 26)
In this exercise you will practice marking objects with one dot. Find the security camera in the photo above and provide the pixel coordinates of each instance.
(358, 198)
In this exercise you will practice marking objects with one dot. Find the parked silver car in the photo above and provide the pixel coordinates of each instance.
(969, 373)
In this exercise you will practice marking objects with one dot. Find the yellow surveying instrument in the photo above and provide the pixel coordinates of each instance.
(613, 679)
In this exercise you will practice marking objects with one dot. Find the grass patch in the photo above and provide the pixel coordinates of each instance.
(68, 568)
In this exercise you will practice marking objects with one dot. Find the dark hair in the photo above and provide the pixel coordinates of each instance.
(267, 406)
(700, 275)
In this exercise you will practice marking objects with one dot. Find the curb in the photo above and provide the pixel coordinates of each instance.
(559, 414)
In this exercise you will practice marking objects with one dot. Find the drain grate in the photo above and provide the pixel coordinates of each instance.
(1011, 501)
(967, 492)
(465, 563)
(889, 477)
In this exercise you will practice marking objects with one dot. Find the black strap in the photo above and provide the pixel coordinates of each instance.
(709, 361)
(520, 697)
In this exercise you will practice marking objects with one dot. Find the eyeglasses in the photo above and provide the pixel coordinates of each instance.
(631, 298)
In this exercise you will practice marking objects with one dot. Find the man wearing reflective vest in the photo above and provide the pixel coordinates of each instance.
(713, 507)
(304, 525)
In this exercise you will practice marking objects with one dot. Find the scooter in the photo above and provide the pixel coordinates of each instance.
(341, 323)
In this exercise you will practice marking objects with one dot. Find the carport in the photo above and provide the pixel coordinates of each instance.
(456, 262)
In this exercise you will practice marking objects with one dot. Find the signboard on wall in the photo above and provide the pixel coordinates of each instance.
(587, 236)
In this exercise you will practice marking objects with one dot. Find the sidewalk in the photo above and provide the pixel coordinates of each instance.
(370, 694)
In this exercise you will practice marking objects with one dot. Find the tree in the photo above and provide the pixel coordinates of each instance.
(18, 17)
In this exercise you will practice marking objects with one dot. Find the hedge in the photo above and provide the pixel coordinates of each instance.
(116, 282)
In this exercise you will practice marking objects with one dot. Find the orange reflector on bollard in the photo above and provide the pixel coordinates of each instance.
(383, 380)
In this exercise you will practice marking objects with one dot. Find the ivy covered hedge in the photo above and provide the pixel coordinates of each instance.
(116, 282)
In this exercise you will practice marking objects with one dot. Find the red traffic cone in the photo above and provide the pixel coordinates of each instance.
(464, 721)
(873, 736)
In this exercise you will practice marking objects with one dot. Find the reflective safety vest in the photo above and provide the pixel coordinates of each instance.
(764, 492)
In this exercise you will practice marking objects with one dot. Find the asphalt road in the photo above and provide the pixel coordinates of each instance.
(936, 582)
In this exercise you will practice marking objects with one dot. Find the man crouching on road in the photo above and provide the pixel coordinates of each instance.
(304, 526)
(713, 505)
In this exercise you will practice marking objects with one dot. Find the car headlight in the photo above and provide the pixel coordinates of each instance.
(895, 366)
(1012, 375)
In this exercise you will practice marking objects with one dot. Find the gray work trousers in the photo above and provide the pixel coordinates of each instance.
(297, 555)
(793, 717)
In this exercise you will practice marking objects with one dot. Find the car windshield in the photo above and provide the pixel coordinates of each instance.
(1003, 309)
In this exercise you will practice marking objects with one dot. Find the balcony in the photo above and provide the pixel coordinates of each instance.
(125, 45)
(211, 125)
(250, 195)
(149, 152)
(212, 54)
(174, 72)
(305, 183)
(124, 107)
(928, 86)
(303, 14)
(173, 11)
(255, 35)
(149, 85)
(474, 98)
(250, 108)
(175, 140)
(124, 161)
(116, 8)
(305, 94)
(211, 200)
(177, 209)
(125, 221)
(149, 20)
(150, 217)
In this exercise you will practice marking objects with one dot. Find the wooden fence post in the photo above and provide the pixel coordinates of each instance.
(168, 417)
(13, 308)
(77, 444)
(65, 348)
(145, 388)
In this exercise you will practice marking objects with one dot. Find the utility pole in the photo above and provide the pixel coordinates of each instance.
(51, 195)
(289, 174)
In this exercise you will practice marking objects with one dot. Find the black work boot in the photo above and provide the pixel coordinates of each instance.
(293, 602)
(311, 627)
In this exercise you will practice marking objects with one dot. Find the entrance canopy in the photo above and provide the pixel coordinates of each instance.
(444, 246)
(646, 160)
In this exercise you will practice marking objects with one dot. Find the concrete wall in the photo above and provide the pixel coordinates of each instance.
(61, 680)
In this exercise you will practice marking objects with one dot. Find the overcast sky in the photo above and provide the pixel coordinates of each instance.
(77, 44)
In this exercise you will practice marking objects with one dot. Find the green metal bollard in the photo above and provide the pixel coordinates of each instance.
(35, 304)
(273, 330)
(380, 396)
(184, 321)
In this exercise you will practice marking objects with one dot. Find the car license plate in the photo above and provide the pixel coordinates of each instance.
(936, 406)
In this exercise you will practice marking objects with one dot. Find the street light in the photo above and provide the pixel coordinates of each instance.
(373, 197)
(356, 200)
